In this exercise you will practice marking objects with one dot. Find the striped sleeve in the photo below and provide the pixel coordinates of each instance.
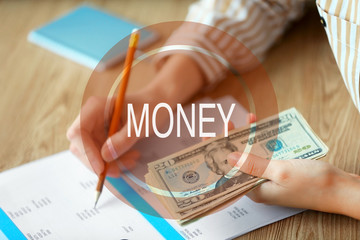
(341, 20)
(254, 24)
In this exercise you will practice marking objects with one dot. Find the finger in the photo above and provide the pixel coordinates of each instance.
(78, 150)
(126, 162)
(231, 126)
(118, 144)
(275, 170)
(71, 132)
(88, 117)
(268, 193)
(88, 151)
(113, 170)
(75, 150)
(251, 118)
(92, 110)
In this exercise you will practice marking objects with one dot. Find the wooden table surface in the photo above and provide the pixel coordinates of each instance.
(41, 94)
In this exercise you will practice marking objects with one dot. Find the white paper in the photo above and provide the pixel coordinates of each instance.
(53, 198)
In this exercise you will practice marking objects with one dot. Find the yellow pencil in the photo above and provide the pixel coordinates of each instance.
(119, 102)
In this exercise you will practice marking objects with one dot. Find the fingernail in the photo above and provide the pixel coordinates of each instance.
(251, 118)
(234, 158)
(112, 150)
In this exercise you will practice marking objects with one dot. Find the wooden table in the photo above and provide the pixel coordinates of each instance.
(41, 94)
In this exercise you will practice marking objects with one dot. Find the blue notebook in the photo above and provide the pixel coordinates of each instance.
(86, 34)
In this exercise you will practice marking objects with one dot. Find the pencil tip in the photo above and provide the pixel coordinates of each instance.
(97, 196)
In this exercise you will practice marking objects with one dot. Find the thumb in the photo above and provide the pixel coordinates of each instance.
(258, 166)
(117, 144)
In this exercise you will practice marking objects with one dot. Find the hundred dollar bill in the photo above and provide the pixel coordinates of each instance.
(200, 174)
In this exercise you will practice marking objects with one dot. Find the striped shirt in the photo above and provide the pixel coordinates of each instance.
(257, 24)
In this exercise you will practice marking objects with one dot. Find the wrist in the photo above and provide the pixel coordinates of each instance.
(350, 196)
(346, 195)
(177, 81)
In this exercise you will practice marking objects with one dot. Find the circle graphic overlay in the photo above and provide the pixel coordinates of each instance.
(155, 165)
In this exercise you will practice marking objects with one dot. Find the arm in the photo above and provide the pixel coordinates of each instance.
(241, 32)
(182, 75)
(341, 25)
(176, 82)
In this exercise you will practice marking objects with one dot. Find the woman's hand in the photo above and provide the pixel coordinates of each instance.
(303, 183)
(88, 134)
(176, 82)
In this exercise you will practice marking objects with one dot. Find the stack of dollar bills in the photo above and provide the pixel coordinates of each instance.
(199, 179)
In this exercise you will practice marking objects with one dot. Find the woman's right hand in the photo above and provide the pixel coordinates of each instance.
(89, 142)
(177, 81)
(88, 133)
